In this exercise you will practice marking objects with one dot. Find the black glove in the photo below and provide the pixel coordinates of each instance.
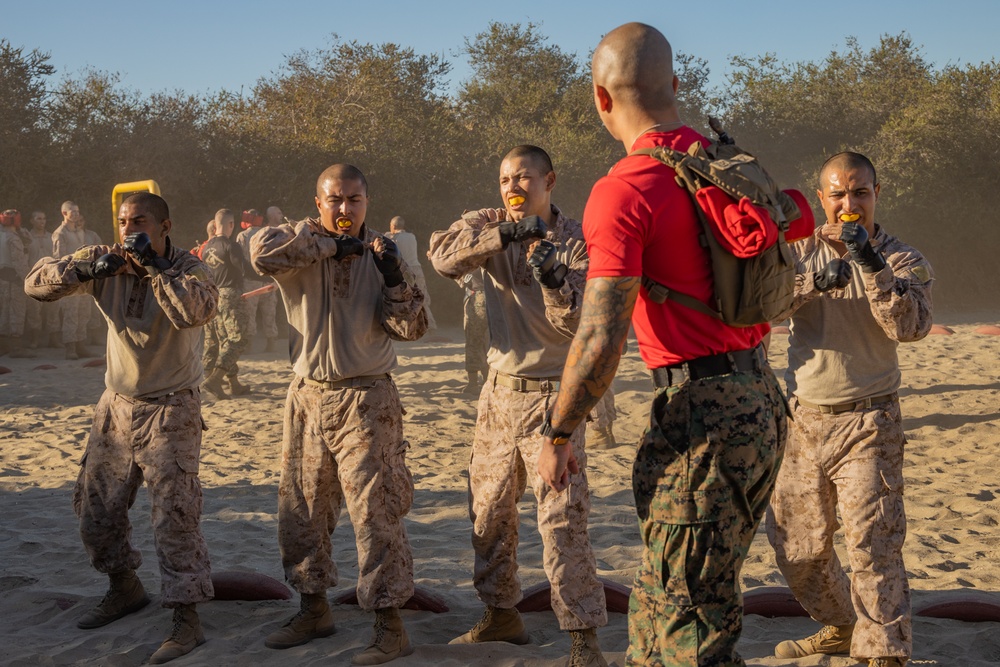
(835, 275)
(347, 245)
(103, 267)
(390, 263)
(139, 246)
(855, 237)
(548, 270)
(9, 274)
(531, 227)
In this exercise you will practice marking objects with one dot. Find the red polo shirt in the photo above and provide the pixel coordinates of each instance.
(639, 221)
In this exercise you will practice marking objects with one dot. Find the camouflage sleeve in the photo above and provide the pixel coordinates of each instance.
(287, 247)
(403, 314)
(805, 288)
(467, 244)
(186, 292)
(53, 278)
(562, 306)
(900, 294)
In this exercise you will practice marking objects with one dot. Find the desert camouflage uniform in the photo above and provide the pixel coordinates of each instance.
(75, 309)
(530, 330)
(226, 336)
(604, 413)
(12, 300)
(702, 478)
(477, 333)
(343, 438)
(40, 318)
(842, 349)
(147, 426)
(407, 244)
(266, 304)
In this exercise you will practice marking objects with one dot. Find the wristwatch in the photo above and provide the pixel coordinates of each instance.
(558, 439)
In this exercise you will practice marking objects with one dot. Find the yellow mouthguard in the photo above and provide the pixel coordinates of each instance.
(344, 223)
(850, 217)
(516, 201)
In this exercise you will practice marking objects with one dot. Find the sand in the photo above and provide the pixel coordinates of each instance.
(950, 399)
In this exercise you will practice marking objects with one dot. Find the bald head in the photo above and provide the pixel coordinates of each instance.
(397, 224)
(847, 160)
(635, 63)
(274, 216)
(340, 172)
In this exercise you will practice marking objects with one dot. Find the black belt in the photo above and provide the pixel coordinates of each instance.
(741, 361)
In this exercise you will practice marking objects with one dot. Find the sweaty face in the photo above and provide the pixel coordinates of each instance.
(342, 206)
(133, 218)
(849, 195)
(525, 190)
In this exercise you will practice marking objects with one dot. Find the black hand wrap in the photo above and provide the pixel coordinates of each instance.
(531, 227)
(103, 267)
(548, 270)
(347, 245)
(139, 246)
(855, 237)
(390, 263)
(835, 275)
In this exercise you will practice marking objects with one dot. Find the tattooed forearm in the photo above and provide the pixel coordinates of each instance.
(596, 350)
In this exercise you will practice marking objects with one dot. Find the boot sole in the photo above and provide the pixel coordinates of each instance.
(521, 640)
(111, 619)
(320, 634)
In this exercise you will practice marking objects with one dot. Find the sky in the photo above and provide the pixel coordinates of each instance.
(207, 46)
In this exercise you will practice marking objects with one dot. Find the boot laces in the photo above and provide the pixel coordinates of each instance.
(381, 623)
(577, 648)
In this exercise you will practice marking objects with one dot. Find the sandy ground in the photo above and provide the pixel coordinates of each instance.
(950, 398)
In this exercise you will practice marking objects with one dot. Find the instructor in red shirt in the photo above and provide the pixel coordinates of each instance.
(707, 462)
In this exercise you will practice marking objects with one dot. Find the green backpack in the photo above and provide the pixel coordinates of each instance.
(748, 291)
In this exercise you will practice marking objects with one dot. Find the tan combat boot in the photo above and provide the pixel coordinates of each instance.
(83, 351)
(235, 388)
(831, 639)
(71, 352)
(389, 640)
(125, 595)
(213, 383)
(272, 345)
(496, 625)
(601, 438)
(893, 661)
(585, 651)
(185, 636)
(314, 620)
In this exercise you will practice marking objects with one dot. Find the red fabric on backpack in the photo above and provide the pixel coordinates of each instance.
(740, 227)
(804, 225)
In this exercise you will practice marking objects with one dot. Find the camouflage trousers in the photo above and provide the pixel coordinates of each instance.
(702, 478)
(604, 413)
(226, 335)
(157, 441)
(75, 312)
(346, 445)
(504, 456)
(12, 308)
(477, 334)
(42, 317)
(852, 461)
(267, 306)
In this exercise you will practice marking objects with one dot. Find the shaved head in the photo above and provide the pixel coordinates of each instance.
(635, 63)
(340, 172)
(848, 160)
(534, 153)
